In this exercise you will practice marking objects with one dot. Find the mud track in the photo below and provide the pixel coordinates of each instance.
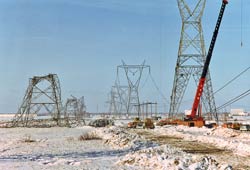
(199, 149)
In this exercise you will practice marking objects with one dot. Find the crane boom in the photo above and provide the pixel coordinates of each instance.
(207, 62)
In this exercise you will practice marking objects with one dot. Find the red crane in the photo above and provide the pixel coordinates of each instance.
(195, 108)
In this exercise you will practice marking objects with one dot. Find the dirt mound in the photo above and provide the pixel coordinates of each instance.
(120, 138)
(167, 157)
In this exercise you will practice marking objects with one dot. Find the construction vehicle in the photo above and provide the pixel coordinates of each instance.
(236, 126)
(136, 122)
(195, 118)
(245, 128)
(148, 124)
(167, 121)
(101, 122)
(230, 125)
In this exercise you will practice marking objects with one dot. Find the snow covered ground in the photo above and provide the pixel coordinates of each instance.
(53, 148)
(224, 138)
(117, 148)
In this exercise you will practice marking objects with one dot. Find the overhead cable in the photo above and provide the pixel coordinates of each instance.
(241, 96)
(229, 82)
(158, 89)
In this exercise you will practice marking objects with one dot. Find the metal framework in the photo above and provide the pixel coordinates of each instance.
(147, 109)
(123, 98)
(75, 109)
(114, 102)
(191, 58)
(42, 98)
(133, 75)
(118, 100)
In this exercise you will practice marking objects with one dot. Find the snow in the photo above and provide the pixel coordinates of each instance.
(53, 148)
(167, 157)
(120, 138)
(224, 138)
(151, 156)
(117, 148)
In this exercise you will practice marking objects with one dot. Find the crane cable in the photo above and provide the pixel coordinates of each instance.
(229, 82)
(246, 93)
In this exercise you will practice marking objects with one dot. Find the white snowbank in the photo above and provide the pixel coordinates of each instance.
(155, 157)
(169, 158)
(224, 138)
(120, 138)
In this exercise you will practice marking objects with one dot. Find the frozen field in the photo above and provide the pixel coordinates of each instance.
(167, 148)
(53, 148)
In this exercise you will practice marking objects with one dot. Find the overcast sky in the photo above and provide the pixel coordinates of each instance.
(82, 41)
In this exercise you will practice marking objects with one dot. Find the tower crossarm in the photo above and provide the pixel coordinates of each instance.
(187, 14)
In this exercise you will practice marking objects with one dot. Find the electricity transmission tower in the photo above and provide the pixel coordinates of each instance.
(74, 109)
(42, 98)
(123, 98)
(191, 58)
(133, 74)
(114, 101)
(118, 100)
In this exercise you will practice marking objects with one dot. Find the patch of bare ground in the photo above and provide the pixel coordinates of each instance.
(89, 136)
(199, 149)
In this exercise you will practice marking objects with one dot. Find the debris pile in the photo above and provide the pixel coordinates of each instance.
(101, 123)
(223, 138)
(230, 139)
(120, 138)
(167, 157)
(225, 132)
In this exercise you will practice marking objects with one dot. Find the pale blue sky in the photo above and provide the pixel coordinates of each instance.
(84, 40)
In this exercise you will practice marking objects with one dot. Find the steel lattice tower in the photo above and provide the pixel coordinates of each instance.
(74, 110)
(114, 101)
(191, 58)
(123, 97)
(118, 100)
(42, 95)
(133, 74)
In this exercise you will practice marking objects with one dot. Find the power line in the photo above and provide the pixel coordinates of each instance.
(229, 82)
(241, 96)
(144, 83)
(156, 86)
(158, 89)
(241, 23)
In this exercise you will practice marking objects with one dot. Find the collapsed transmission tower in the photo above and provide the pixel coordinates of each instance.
(74, 109)
(191, 58)
(42, 98)
(133, 74)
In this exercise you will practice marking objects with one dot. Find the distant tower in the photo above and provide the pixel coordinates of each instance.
(123, 98)
(118, 98)
(133, 74)
(114, 102)
(74, 110)
(191, 57)
(43, 97)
